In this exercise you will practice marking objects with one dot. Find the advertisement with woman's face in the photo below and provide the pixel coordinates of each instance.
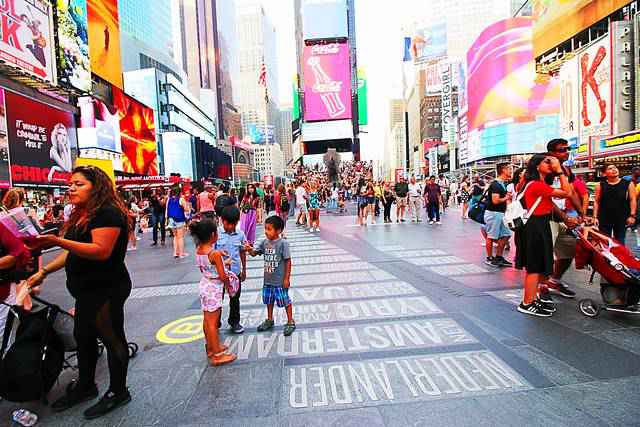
(42, 142)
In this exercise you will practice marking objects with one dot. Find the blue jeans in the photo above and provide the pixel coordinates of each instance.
(157, 220)
(433, 209)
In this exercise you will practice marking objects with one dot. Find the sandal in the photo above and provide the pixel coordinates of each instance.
(223, 358)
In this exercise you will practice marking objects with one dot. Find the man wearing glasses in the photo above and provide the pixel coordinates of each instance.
(574, 209)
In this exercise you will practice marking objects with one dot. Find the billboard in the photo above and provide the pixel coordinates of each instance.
(105, 165)
(595, 90)
(558, 21)
(432, 78)
(623, 75)
(429, 43)
(99, 125)
(137, 135)
(327, 85)
(143, 86)
(42, 142)
(104, 40)
(74, 66)
(511, 138)
(501, 71)
(324, 19)
(5, 181)
(363, 109)
(178, 153)
(570, 99)
(27, 37)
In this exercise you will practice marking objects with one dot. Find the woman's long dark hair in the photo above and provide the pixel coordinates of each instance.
(531, 173)
(246, 192)
(103, 194)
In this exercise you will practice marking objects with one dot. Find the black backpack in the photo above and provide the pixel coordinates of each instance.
(31, 366)
(222, 202)
(284, 203)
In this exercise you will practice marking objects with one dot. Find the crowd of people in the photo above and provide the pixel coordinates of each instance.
(96, 225)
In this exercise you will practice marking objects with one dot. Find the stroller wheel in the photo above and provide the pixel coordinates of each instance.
(133, 350)
(589, 308)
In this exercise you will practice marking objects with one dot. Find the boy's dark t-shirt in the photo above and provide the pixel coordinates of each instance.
(275, 252)
(402, 189)
(499, 188)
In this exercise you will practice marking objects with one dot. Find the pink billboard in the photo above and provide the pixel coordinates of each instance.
(327, 86)
(501, 73)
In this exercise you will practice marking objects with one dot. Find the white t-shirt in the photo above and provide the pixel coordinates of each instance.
(300, 196)
(415, 190)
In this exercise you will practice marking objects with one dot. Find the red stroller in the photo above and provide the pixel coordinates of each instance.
(619, 268)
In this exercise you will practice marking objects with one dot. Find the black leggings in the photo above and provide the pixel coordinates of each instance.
(387, 210)
(99, 316)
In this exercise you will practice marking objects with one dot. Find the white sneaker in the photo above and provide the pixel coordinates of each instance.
(439, 222)
(317, 228)
(430, 222)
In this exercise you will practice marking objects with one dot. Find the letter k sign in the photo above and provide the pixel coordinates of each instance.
(588, 79)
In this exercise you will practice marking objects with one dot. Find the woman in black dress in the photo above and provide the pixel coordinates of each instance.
(615, 204)
(94, 246)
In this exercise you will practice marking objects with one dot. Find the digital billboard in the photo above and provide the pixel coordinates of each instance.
(324, 19)
(363, 108)
(27, 37)
(501, 71)
(327, 85)
(178, 153)
(137, 135)
(558, 21)
(74, 65)
(512, 138)
(99, 125)
(4, 144)
(429, 43)
(42, 142)
(104, 40)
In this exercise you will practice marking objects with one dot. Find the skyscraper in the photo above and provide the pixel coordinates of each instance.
(185, 41)
(284, 134)
(257, 47)
(148, 21)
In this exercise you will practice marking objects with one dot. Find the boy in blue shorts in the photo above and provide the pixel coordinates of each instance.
(232, 241)
(277, 273)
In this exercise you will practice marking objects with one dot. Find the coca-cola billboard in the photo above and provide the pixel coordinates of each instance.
(327, 86)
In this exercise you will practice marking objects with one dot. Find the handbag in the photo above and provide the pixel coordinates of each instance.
(516, 216)
(476, 213)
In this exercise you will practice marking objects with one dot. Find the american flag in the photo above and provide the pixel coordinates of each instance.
(262, 75)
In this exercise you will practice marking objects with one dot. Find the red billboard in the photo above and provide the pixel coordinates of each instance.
(137, 135)
(327, 82)
(42, 142)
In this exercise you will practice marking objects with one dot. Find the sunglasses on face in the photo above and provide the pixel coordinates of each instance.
(561, 150)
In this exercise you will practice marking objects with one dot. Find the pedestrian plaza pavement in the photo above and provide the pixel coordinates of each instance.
(397, 325)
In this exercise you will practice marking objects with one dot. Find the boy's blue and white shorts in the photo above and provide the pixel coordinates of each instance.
(277, 295)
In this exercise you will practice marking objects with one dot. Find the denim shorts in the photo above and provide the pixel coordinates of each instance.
(277, 295)
(494, 225)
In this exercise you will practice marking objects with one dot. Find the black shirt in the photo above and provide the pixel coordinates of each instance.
(402, 189)
(499, 188)
(156, 206)
(85, 276)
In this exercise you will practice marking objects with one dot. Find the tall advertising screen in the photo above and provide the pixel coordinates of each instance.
(327, 85)
(99, 125)
(27, 37)
(178, 153)
(558, 21)
(324, 19)
(42, 142)
(137, 135)
(74, 65)
(104, 40)
(4, 144)
(430, 43)
(501, 71)
(570, 99)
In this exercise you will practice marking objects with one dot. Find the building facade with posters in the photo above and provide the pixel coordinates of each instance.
(595, 57)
